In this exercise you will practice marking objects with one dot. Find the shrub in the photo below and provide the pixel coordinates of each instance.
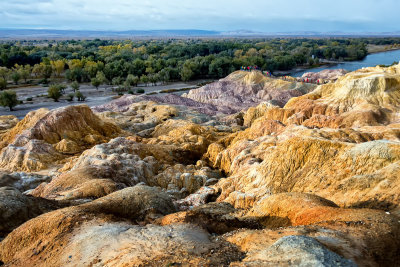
(71, 97)
(16, 76)
(117, 81)
(3, 83)
(29, 99)
(96, 83)
(8, 99)
(55, 92)
(44, 82)
(140, 91)
(130, 92)
(80, 96)
(120, 89)
(75, 86)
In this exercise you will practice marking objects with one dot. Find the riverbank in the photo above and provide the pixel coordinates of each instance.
(371, 60)
(305, 68)
(326, 64)
(373, 49)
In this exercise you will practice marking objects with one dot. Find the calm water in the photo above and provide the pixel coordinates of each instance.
(385, 58)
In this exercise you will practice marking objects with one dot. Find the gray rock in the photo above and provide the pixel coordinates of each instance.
(301, 251)
(22, 181)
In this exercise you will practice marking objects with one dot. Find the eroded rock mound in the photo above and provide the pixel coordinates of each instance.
(44, 137)
(367, 97)
(102, 232)
(304, 160)
(16, 208)
(344, 231)
(325, 75)
(242, 89)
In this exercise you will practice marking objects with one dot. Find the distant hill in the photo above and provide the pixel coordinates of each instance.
(42, 33)
(86, 34)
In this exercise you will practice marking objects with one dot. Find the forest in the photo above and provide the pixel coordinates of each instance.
(129, 62)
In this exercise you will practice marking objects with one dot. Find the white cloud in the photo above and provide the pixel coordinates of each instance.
(206, 14)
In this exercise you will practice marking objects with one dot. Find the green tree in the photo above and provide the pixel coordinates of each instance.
(153, 78)
(8, 99)
(101, 77)
(58, 67)
(96, 83)
(25, 72)
(132, 80)
(55, 92)
(311, 61)
(187, 71)
(15, 76)
(75, 86)
(4, 72)
(164, 75)
(144, 79)
(3, 83)
(47, 70)
(117, 81)
(37, 70)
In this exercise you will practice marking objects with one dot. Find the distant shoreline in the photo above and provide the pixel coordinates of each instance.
(381, 49)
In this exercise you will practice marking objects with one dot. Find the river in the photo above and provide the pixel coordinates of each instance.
(385, 58)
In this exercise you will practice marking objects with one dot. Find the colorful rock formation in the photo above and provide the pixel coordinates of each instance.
(248, 171)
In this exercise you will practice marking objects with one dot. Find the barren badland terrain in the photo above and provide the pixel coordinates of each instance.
(249, 170)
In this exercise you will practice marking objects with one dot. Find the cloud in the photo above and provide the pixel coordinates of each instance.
(260, 15)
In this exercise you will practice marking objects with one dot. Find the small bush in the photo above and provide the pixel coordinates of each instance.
(75, 86)
(55, 92)
(3, 83)
(45, 82)
(29, 99)
(140, 91)
(130, 92)
(80, 96)
(71, 97)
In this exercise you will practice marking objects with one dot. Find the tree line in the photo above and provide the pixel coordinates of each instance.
(127, 63)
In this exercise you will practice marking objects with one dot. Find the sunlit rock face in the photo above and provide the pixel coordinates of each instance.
(247, 171)
(7, 122)
(44, 137)
(340, 141)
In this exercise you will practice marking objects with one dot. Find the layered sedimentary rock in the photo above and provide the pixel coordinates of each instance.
(347, 148)
(44, 137)
(312, 183)
(367, 97)
(185, 104)
(7, 122)
(345, 231)
(329, 163)
(243, 89)
(103, 232)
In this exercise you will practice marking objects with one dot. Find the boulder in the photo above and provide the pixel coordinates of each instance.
(297, 251)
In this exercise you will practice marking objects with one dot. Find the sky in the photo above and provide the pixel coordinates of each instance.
(219, 15)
